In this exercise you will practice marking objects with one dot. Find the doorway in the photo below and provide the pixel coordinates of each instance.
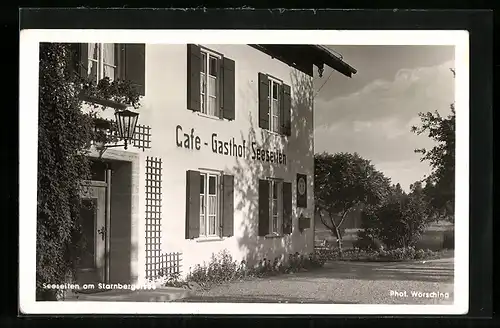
(91, 264)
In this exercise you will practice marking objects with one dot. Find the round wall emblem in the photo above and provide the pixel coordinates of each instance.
(302, 186)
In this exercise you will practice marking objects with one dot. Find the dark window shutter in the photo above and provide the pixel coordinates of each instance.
(135, 65)
(80, 58)
(220, 87)
(120, 61)
(263, 207)
(193, 77)
(263, 101)
(286, 108)
(228, 205)
(228, 89)
(192, 204)
(282, 109)
(287, 208)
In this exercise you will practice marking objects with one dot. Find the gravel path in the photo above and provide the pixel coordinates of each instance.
(346, 283)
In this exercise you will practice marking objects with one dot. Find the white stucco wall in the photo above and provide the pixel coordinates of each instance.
(164, 107)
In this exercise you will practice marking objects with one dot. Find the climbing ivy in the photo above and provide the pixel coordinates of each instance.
(65, 132)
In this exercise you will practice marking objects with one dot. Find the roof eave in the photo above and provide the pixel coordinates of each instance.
(326, 57)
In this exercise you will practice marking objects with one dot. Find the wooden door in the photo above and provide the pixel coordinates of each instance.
(91, 265)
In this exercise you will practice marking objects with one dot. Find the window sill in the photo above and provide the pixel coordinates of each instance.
(208, 239)
(104, 102)
(276, 134)
(215, 118)
(273, 236)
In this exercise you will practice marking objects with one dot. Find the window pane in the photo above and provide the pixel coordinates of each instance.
(275, 207)
(212, 86)
(202, 204)
(93, 50)
(275, 190)
(109, 71)
(213, 66)
(211, 185)
(203, 62)
(212, 106)
(203, 89)
(203, 83)
(202, 184)
(275, 224)
(275, 106)
(275, 90)
(203, 104)
(92, 71)
(108, 53)
(202, 224)
(275, 124)
(211, 225)
(212, 205)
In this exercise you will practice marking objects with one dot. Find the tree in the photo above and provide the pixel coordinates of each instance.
(440, 184)
(342, 182)
(398, 221)
(64, 135)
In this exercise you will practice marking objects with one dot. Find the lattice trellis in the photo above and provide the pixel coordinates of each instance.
(142, 135)
(156, 262)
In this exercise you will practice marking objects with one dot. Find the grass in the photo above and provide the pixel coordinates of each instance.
(432, 238)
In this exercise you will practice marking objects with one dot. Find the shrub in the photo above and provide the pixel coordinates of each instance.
(366, 241)
(420, 254)
(398, 222)
(222, 269)
(394, 254)
(316, 261)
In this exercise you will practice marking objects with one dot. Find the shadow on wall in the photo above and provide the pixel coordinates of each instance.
(299, 151)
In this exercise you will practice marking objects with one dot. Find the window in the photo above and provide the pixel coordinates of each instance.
(274, 105)
(209, 83)
(275, 206)
(125, 61)
(209, 204)
(102, 60)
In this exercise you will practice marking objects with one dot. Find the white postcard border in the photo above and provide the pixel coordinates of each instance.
(28, 137)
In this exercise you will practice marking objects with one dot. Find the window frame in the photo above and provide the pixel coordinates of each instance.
(204, 77)
(279, 201)
(205, 174)
(274, 81)
(100, 60)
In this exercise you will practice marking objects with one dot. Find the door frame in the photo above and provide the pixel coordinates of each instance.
(138, 260)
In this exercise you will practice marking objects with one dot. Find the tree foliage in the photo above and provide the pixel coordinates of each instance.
(398, 221)
(64, 135)
(440, 184)
(342, 182)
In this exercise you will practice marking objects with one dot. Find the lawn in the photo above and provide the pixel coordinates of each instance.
(432, 238)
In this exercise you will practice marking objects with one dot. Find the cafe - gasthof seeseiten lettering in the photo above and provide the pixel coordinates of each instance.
(222, 157)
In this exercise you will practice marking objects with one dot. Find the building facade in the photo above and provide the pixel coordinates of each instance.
(222, 158)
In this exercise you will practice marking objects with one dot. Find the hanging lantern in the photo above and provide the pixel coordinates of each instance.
(126, 122)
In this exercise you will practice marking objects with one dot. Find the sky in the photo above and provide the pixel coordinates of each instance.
(372, 112)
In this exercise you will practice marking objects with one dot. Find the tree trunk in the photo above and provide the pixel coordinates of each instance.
(339, 239)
